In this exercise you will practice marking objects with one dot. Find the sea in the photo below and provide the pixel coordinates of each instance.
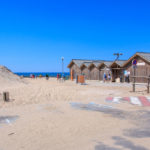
(51, 74)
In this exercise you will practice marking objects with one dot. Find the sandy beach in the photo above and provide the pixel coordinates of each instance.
(41, 116)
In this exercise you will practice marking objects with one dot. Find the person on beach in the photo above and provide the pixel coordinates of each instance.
(109, 77)
(125, 75)
(104, 77)
(33, 76)
(57, 76)
(128, 76)
(47, 76)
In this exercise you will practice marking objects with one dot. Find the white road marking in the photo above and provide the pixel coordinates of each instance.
(116, 99)
(148, 98)
(135, 101)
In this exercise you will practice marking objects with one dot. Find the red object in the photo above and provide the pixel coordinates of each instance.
(126, 99)
(144, 101)
(109, 99)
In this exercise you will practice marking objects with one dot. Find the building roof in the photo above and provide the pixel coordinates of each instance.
(81, 62)
(143, 55)
(98, 63)
(120, 63)
(86, 64)
(106, 63)
(78, 62)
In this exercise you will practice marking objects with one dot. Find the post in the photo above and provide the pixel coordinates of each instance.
(6, 96)
(62, 58)
(134, 79)
(148, 85)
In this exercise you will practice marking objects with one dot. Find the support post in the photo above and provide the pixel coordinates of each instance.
(134, 79)
(6, 96)
(148, 84)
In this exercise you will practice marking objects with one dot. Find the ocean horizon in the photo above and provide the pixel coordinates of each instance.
(51, 74)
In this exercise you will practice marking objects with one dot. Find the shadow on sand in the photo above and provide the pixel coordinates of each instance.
(121, 142)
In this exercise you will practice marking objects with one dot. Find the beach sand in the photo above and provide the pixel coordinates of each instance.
(44, 118)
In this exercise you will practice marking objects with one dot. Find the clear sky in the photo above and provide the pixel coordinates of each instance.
(35, 34)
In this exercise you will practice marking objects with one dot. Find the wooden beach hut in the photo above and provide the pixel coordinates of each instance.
(104, 67)
(94, 72)
(76, 67)
(94, 69)
(117, 70)
(85, 70)
(143, 66)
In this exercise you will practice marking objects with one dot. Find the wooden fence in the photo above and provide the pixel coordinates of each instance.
(144, 84)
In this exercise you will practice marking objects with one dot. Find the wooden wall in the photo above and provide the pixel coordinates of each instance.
(141, 70)
(76, 70)
(94, 73)
(103, 69)
(85, 72)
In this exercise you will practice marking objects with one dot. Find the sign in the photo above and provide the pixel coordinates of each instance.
(141, 64)
(134, 62)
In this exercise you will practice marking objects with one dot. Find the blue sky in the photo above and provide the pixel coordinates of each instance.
(35, 34)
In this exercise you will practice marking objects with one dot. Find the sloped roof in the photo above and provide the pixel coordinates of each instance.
(81, 62)
(96, 63)
(145, 56)
(78, 62)
(119, 63)
(86, 64)
(106, 63)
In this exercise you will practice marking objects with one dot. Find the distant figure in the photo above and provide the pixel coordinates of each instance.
(62, 78)
(33, 76)
(40, 76)
(109, 77)
(128, 76)
(57, 76)
(30, 75)
(104, 77)
(47, 76)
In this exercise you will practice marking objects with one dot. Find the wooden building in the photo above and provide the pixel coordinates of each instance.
(85, 71)
(95, 69)
(142, 67)
(104, 67)
(117, 70)
(78, 67)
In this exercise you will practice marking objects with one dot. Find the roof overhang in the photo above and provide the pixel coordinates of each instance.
(91, 65)
(100, 65)
(131, 58)
(71, 63)
(114, 63)
(83, 65)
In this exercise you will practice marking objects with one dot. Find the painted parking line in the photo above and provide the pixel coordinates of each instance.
(135, 101)
(140, 101)
(126, 99)
(144, 101)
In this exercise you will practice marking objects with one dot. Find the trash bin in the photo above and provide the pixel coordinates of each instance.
(81, 79)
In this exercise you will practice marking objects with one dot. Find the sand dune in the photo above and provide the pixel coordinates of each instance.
(8, 78)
